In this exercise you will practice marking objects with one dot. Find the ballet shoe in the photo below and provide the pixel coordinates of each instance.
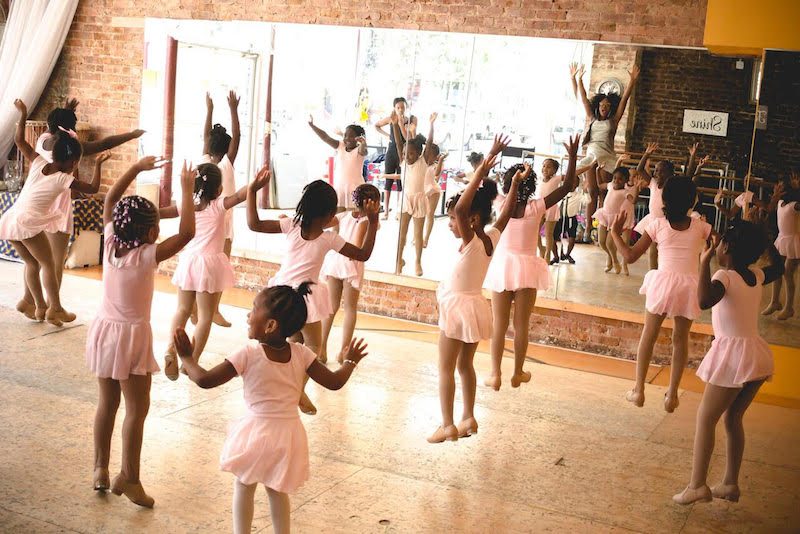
(467, 427)
(635, 398)
(570, 259)
(444, 434)
(771, 308)
(785, 314)
(171, 366)
(27, 309)
(133, 491)
(492, 382)
(183, 371)
(307, 407)
(607, 269)
(221, 321)
(728, 492)
(693, 495)
(554, 261)
(101, 482)
(670, 403)
(518, 379)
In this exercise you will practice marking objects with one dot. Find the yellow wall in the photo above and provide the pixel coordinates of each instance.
(745, 27)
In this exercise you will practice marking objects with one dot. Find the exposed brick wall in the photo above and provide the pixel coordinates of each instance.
(614, 61)
(598, 335)
(673, 80)
(777, 149)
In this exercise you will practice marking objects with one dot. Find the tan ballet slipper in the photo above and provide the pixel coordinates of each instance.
(59, 317)
(27, 309)
(670, 403)
(693, 495)
(771, 308)
(171, 366)
(444, 434)
(306, 406)
(133, 491)
(785, 314)
(467, 427)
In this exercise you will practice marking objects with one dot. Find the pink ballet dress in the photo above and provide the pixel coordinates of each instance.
(616, 201)
(545, 188)
(464, 313)
(348, 173)
(63, 204)
(656, 207)
(432, 187)
(788, 242)
(36, 209)
(202, 264)
(269, 445)
(738, 353)
(744, 199)
(120, 342)
(228, 188)
(672, 288)
(515, 264)
(415, 199)
(303, 263)
(342, 267)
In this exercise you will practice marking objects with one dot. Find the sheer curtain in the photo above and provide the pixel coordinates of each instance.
(34, 34)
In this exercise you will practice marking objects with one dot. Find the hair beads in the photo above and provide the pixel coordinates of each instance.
(133, 215)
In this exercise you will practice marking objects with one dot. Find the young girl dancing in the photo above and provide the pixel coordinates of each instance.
(415, 199)
(620, 199)
(464, 315)
(433, 191)
(344, 276)
(269, 444)
(515, 272)
(786, 197)
(739, 359)
(550, 182)
(670, 290)
(203, 271)
(308, 244)
(604, 112)
(656, 183)
(348, 170)
(35, 213)
(119, 344)
(221, 149)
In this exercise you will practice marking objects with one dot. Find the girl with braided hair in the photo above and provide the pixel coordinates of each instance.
(348, 170)
(119, 344)
(308, 243)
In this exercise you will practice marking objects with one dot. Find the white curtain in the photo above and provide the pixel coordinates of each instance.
(34, 34)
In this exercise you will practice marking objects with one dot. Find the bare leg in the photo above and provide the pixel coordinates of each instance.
(735, 443)
(652, 256)
(466, 370)
(626, 238)
(405, 220)
(387, 195)
(104, 417)
(524, 300)
(594, 194)
(244, 496)
(59, 242)
(501, 311)
(206, 304)
(433, 202)
(775, 301)
(350, 314)
(419, 227)
(448, 356)
(335, 292)
(33, 285)
(680, 355)
(279, 511)
(136, 390)
(39, 247)
(611, 250)
(218, 318)
(602, 237)
(549, 230)
(186, 302)
(652, 325)
(539, 244)
(789, 275)
(312, 338)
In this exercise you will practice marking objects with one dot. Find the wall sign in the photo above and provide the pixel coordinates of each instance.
(761, 117)
(705, 122)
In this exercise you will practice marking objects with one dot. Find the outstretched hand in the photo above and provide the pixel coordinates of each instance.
(72, 104)
(619, 222)
(102, 158)
(573, 69)
(233, 100)
(710, 248)
(572, 147)
(395, 118)
(183, 346)
(148, 163)
(434, 116)
(209, 102)
(705, 159)
(371, 208)
(501, 142)
(357, 350)
(21, 107)
(693, 148)
(718, 198)
(651, 147)
(187, 176)
(634, 73)
(261, 179)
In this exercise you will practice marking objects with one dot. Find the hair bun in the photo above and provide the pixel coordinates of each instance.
(304, 289)
(219, 128)
(488, 188)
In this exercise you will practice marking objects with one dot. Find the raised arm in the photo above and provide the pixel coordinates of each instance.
(631, 254)
(411, 128)
(437, 172)
(587, 106)
(570, 179)
(364, 251)
(236, 134)
(582, 170)
(633, 75)
(253, 222)
(207, 124)
(94, 186)
(334, 144)
(362, 146)
(511, 198)
(708, 292)
(107, 143)
(333, 380)
(206, 379)
(19, 135)
(731, 212)
(118, 188)
(699, 168)
(641, 169)
(573, 70)
(429, 141)
(399, 139)
(173, 244)
(237, 198)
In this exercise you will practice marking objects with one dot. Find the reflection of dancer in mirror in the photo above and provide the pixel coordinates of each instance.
(415, 200)
(392, 164)
(619, 199)
(549, 183)
(348, 169)
(516, 273)
(670, 290)
(786, 199)
(221, 149)
(739, 359)
(433, 191)
(474, 159)
(656, 183)
(269, 445)
(308, 243)
(604, 112)
(119, 344)
(464, 315)
(344, 276)
(204, 270)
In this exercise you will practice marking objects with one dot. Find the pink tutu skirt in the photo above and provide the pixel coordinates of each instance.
(116, 349)
(552, 215)
(207, 273)
(607, 219)
(671, 293)
(788, 246)
(433, 190)
(733, 361)
(343, 268)
(510, 272)
(267, 450)
(416, 205)
(465, 316)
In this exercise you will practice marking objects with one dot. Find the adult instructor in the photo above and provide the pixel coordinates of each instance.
(392, 164)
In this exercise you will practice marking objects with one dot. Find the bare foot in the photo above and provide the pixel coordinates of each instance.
(220, 320)
(419, 269)
(609, 266)
(400, 265)
(617, 268)
(492, 382)
(785, 314)
(58, 317)
(670, 403)
(771, 308)
(634, 397)
(306, 406)
(27, 309)
(518, 379)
